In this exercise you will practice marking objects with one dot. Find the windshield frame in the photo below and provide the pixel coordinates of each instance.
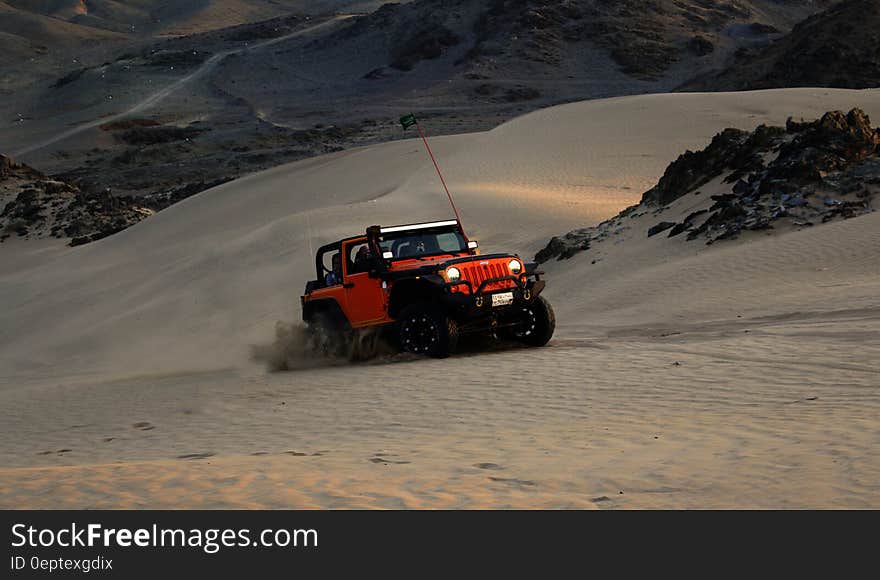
(384, 240)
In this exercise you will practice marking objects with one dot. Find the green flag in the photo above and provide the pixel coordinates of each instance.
(408, 121)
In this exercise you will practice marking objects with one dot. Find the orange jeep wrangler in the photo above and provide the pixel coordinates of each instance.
(422, 286)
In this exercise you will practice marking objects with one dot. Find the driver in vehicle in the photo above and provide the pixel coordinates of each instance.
(415, 247)
(362, 260)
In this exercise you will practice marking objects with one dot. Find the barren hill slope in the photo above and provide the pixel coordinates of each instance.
(27, 35)
(160, 17)
(839, 47)
(44, 38)
(483, 57)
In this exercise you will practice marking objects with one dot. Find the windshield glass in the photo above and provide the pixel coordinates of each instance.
(424, 243)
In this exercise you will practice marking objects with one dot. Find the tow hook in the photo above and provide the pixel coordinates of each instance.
(479, 302)
(527, 294)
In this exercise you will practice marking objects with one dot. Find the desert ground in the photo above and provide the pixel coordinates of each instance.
(739, 375)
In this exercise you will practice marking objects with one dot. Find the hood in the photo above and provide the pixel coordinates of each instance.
(436, 262)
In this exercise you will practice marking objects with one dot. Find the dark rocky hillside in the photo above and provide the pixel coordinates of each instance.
(37, 206)
(644, 38)
(837, 48)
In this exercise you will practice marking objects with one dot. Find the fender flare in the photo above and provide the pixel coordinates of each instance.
(325, 305)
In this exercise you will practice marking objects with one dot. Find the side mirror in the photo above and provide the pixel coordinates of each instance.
(387, 255)
(473, 245)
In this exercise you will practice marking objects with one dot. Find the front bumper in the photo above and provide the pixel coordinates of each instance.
(474, 312)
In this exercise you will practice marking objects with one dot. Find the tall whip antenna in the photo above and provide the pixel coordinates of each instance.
(408, 121)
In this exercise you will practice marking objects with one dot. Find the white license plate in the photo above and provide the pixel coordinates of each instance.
(502, 299)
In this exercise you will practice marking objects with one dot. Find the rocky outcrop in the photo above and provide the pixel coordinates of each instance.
(805, 173)
(37, 206)
(693, 169)
(12, 170)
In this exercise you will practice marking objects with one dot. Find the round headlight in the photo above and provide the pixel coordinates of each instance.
(515, 266)
(453, 274)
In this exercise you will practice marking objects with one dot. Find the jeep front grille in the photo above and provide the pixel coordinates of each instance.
(477, 273)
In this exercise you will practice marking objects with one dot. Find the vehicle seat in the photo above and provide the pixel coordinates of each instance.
(405, 250)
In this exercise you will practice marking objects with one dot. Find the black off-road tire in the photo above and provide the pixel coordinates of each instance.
(326, 338)
(364, 345)
(425, 329)
(538, 323)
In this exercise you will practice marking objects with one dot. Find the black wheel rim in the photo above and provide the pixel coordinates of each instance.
(528, 324)
(419, 333)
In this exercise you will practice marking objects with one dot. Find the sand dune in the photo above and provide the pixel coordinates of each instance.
(741, 375)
